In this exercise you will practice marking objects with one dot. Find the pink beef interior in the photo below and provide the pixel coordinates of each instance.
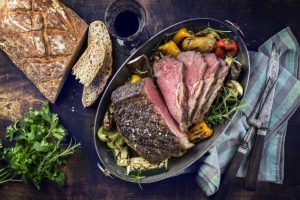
(194, 69)
(193, 74)
(212, 63)
(209, 79)
(159, 103)
(167, 72)
(223, 70)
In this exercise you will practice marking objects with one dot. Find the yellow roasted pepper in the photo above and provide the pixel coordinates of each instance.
(135, 78)
(199, 132)
(180, 35)
(170, 48)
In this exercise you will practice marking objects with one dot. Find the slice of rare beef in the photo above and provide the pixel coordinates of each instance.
(193, 77)
(217, 85)
(145, 123)
(209, 77)
(168, 72)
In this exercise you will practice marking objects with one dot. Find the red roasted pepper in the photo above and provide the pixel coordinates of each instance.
(220, 52)
(230, 46)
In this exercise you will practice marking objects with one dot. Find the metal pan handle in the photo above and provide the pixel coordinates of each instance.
(236, 27)
(104, 171)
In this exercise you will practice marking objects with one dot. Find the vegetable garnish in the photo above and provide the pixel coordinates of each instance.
(210, 30)
(229, 46)
(38, 153)
(199, 132)
(230, 61)
(137, 179)
(135, 78)
(220, 52)
(224, 106)
(180, 35)
(170, 48)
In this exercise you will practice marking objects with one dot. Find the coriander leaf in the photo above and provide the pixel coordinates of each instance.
(42, 146)
(58, 177)
(58, 132)
(10, 131)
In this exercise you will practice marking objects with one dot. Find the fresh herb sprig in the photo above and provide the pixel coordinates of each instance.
(224, 106)
(137, 179)
(38, 152)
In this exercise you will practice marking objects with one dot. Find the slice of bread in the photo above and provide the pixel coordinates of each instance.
(91, 93)
(98, 31)
(90, 62)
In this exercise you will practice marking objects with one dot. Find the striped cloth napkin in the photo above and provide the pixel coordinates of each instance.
(286, 101)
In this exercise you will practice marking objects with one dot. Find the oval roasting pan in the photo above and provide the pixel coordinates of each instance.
(176, 165)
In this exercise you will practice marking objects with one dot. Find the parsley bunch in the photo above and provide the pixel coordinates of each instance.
(37, 152)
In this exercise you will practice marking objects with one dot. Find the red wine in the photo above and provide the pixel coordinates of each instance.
(126, 23)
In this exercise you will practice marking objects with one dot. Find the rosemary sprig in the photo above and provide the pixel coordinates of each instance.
(7, 175)
(208, 29)
(137, 179)
(139, 72)
(223, 107)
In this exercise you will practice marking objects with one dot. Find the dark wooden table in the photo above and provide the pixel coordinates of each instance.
(258, 19)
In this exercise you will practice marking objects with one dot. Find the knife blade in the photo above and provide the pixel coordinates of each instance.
(264, 118)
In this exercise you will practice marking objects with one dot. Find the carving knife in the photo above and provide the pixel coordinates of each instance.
(264, 118)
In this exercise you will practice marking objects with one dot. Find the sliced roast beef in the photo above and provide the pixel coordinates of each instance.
(217, 85)
(145, 123)
(209, 77)
(193, 77)
(168, 72)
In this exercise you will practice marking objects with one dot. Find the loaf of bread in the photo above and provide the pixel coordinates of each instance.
(98, 31)
(42, 38)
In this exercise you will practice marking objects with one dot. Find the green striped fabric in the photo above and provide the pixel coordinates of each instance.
(286, 101)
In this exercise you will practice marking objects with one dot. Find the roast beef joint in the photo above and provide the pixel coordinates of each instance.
(154, 114)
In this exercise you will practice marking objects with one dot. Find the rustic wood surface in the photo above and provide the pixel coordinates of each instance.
(258, 19)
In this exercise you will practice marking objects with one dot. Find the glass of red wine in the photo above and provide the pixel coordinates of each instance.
(126, 21)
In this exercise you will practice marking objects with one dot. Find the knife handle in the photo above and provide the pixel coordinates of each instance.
(252, 174)
(229, 177)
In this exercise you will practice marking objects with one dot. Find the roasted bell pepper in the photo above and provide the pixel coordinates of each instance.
(135, 78)
(199, 132)
(180, 35)
(220, 52)
(230, 46)
(170, 48)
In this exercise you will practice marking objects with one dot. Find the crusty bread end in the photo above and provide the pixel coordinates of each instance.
(98, 31)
